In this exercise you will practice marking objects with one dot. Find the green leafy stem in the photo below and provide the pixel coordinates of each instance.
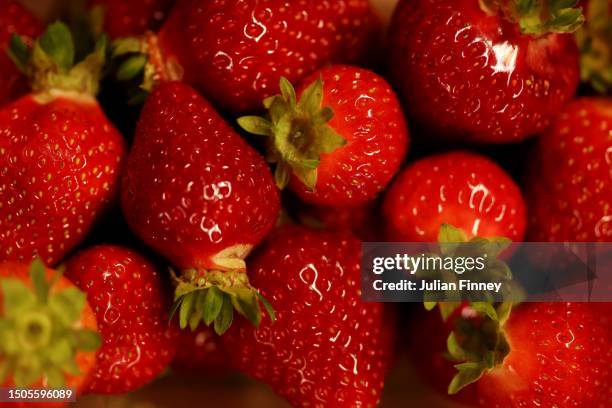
(212, 296)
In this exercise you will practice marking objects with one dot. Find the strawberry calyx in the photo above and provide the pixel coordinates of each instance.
(40, 330)
(140, 59)
(51, 64)
(212, 296)
(298, 132)
(478, 343)
(538, 17)
(453, 242)
(595, 42)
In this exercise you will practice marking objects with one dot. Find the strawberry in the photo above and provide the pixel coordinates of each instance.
(459, 188)
(128, 297)
(326, 347)
(341, 144)
(200, 352)
(236, 51)
(197, 193)
(544, 354)
(122, 18)
(490, 71)
(14, 19)
(569, 184)
(48, 334)
(60, 157)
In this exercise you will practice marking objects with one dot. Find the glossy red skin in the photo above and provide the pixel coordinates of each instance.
(59, 171)
(577, 147)
(539, 365)
(235, 52)
(569, 183)
(604, 311)
(128, 296)
(369, 117)
(463, 189)
(14, 19)
(128, 18)
(200, 352)
(444, 63)
(559, 357)
(322, 330)
(193, 187)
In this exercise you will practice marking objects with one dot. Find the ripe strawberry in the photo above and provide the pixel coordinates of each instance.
(202, 197)
(492, 71)
(569, 183)
(48, 332)
(236, 51)
(341, 144)
(123, 18)
(326, 347)
(200, 352)
(14, 19)
(459, 188)
(127, 295)
(59, 155)
(549, 354)
(546, 354)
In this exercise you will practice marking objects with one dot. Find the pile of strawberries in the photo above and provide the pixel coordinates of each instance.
(269, 142)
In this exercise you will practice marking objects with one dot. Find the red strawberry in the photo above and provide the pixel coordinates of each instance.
(48, 332)
(341, 144)
(236, 51)
(14, 19)
(459, 188)
(60, 157)
(124, 18)
(200, 352)
(326, 347)
(558, 356)
(543, 354)
(127, 295)
(569, 185)
(202, 197)
(492, 71)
